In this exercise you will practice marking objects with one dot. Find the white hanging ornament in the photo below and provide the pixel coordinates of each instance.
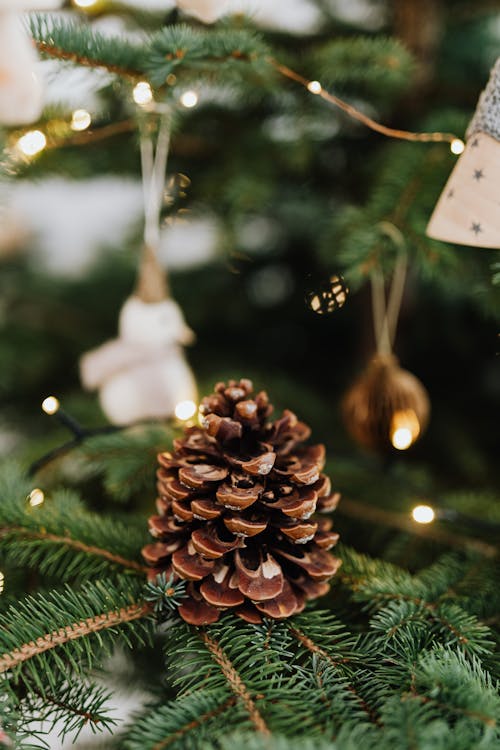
(143, 374)
(21, 93)
(207, 11)
(467, 211)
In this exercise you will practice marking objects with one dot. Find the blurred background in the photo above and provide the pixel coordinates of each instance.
(271, 191)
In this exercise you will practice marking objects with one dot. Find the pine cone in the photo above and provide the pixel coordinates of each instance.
(236, 500)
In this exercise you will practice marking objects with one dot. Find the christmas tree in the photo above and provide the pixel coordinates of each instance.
(298, 203)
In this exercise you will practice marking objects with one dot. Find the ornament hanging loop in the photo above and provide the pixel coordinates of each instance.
(386, 309)
(152, 283)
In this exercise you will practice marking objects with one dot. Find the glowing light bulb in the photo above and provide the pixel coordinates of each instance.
(32, 142)
(457, 146)
(50, 405)
(185, 410)
(2, 582)
(84, 3)
(36, 497)
(405, 429)
(423, 514)
(189, 99)
(314, 87)
(142, 93)
(80, 119)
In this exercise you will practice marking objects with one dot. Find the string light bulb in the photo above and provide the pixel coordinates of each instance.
(84, 3)
(142, 93)
(457, 146)
(36, 497)
(185, 410)
(2, 582)
(80, 119)
(50, 405)
(314, 87)
(32, 142)
(423, 514)
(189, 99)
(405, 429)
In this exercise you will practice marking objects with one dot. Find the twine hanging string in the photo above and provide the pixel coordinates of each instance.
(152, 279)
(386, 311)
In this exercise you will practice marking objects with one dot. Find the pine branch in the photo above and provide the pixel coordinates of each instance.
(71, 632)
(194, 724)
(235, 682)
(61, 537)
(49, 634)
(76, 704)
(125, 460)
(186, 722)
(21, 535)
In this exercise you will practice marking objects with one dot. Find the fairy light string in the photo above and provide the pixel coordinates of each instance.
(314, 87)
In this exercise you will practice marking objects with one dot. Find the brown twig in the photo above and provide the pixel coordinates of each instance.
(71, 633)
(194, 724)
(235, 683)
(53, 51)
(74, 544)
(47, 698)
(96, 134)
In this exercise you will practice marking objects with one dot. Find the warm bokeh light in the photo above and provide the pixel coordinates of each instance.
(457, 146)
(189, 99)
(423, 514)
(405, 429)
(314, 87)
(142, 93)
(32, 142)
(50, 405)
(80, 120)
(84, 3)
(185, 410)
(36, 497)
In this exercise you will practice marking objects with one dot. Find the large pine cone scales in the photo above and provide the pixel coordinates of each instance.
(236, 504)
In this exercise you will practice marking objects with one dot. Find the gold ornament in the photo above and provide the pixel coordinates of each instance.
(387, 407)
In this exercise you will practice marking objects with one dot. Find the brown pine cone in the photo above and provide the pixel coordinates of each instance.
(236, 504)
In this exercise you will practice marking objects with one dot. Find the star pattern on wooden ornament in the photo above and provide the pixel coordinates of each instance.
(476, 227)
(478, 174)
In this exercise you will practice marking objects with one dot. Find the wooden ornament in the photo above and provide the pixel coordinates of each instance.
(467, 211)
(387, 407)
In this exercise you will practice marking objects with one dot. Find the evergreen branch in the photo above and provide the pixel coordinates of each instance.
(71, 632)
(313, 647)
(235, 682)
(180, 45)
(67, 631)
(309, 644)
(73, 544)
(61, 536)
(77, 704)
(51, 50)
(484, 719)
(383, 517)
(194, 724)
(184, 722)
